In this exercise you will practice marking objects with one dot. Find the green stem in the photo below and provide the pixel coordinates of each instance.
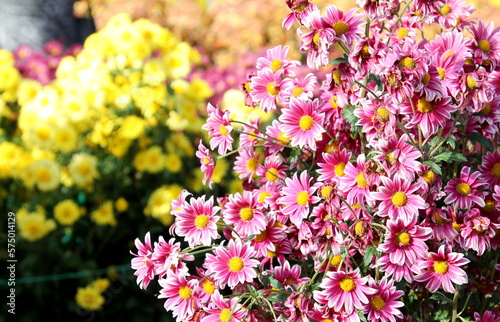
(454, 307)
(365, 88)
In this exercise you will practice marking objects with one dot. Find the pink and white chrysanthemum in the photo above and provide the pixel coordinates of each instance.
(273, 170)
(269, 88)
(232, 265)
(348, 27)
(490, 168)
(454, 14)
(442, 270)
(247, 163)
(300, 10)
(276, 60)
(276, 138)
(333, 165)
(166, 257)
(219, 129)
(265, 242)
(357, 181)
(182, 295)
(297, 196)
(487, 42)
(251, 133)
(404, 243)
(378, 10)
(304, 86)
(317, 40)
(346, 291)
(289, 277)
(377, 118)
(367, 55)
(302, 122)
(488, 316)
(477, 231)
(224, 311)
(142, 262)
(398, 199)
(197, 221)
(207, 164)
(243, 213)
(465, 191)
(384, 306)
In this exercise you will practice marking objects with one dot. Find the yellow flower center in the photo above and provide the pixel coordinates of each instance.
(261, 237)
(360, 180)
(403, 238)
(225, 315)
(246, 214)
(446, 9)
(441, 72)
(484, 45)
(283, 138)
(326, 190)
(347, 284)
(463, 189)
(407, 62)
(297, 91)
(185, 292)
(340, 28)
(486, 109)
(271, 254)
(336, 76)
(389, 157)
(84, 169)
(333, 101)
(456, 226)
(201, 221)
(383, 113)
(377, 303)
(489, 206)
(276, 65)
(235, 264)
(247, 87)
(208, 286)
(438, 219)
(359, 230)
(402, 33)
(471, 83)
(252, 164)
(223, 130)
(441, 267)
(316, 38)
(303, 198)
(428, 176)
(43, 175)
(43, 133)
(399, 199)
(425, 106)
(263, 195)
(306, 122)
(272, 174)
(271, 89)
(495, 171)
(365, 51)
(206, 160)
(335, 261)
(426, 79)
(339, 169)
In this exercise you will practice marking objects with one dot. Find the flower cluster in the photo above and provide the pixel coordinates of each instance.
(373, 187)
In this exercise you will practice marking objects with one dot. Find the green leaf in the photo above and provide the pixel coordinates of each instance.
(377, 80)
(476, 137)
(449, 157)
(369, 253)
(349, 116)
(340, 60)
(434, 167)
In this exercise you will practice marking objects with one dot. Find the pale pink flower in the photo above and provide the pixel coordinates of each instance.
(276, 60)
(207, 163)
(219, 129)
(270, 89)
(224, 311)
(142, 262)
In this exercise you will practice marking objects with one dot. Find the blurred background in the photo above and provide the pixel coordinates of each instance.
(101, 108)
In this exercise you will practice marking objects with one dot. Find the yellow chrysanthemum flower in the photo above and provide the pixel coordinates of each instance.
(66, 212)
(101, 284)
(121, 204)
(45, 174)
(132, 127)
(83, 169)
(159, 204)
(89, 298)
(65, 138)
(173, 163)
(34, 226)
(154, 159)
(104, 215)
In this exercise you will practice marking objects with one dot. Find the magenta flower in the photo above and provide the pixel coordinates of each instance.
(142, 262)
(344, 291)
(333, 166)
(224, 311)
(182, 295)
(442, 269)
(302, 122)
(196, 221)
(247, 163)
(276, 61)
(269, 88)
(490, 168)
(219, 129)
(478, 231)
(243, 213)
(398, 199)
(207, 163)
(232, 265)
(166, 257)
(465, 191)
(487, 42)
(297, 196)
(348, 27)
(383, 305)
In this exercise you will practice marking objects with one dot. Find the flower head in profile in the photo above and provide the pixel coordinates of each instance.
(442, 270)
(142, 262)
(302, 122)
(219, 129)
(232, 264)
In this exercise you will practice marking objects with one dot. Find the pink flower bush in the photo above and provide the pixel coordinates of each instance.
(371, 192)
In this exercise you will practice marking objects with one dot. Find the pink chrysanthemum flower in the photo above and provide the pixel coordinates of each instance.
(219, 129)
(430, 115)
(345, 291)
(442, 269)
(348, 27)
(142, 262)
(405, 29)
(490, 168)
(378, 118)
(232, 265)
(454, 14)
(357, 181)
(378, 10)
(276, 60)
(276, 138)
(384, 306)
(317, 40)
(225, 311)
(247, 163)
(207, 163)
(304, 86)
(182, 295)
(243, 213)
(166, 257)
(197, 221)
(477, 231)
(441, 223)
(265, 242)
(273, 170)
(487, 42)
(297, 197)
(269, 88)
(250, 136)
(367, 55)
(300, 10)
(398, 199)
(333, 165)
(488, 316)
(302, 122)
(465, 191)
(404, 243)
